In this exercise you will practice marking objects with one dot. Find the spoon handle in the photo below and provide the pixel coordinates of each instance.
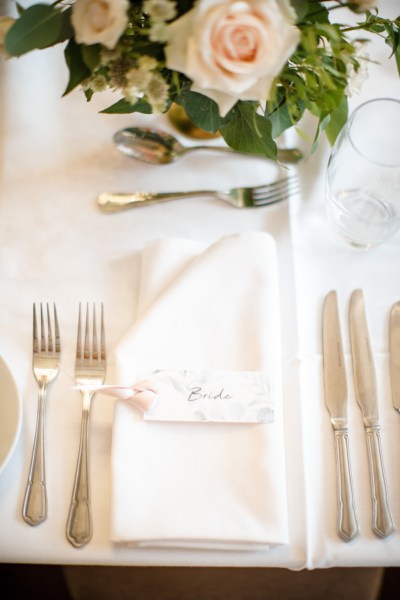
(284, 155)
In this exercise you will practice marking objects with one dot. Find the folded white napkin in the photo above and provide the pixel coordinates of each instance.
(202, 485)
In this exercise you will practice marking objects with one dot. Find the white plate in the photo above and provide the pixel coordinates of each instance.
(10, 414)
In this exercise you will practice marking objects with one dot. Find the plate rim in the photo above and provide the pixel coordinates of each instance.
(18, 399)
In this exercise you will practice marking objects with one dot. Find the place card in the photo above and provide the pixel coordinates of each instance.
(219, 396)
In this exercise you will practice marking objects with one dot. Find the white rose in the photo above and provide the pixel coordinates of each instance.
(99, 21)
(363, 5)
(233, 49)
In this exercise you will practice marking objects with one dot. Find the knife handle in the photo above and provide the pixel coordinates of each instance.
(382, 522)
(347, 519)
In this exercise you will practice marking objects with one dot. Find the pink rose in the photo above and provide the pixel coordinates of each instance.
(233, 49)
(99, 21)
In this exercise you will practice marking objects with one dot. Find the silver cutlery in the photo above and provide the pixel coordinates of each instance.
(244, 197)
(159, 147)
(394, 345)
(335, 383)
(367, 398)
(46, 366)
(90, 372)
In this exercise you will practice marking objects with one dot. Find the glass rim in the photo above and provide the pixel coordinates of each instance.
(394, 165)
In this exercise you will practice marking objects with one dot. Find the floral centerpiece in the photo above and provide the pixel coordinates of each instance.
(247, 69)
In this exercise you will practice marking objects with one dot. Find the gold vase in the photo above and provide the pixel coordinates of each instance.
(185, 125)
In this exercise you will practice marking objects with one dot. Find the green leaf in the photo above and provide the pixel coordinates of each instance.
(397, 57)
(337, 120)
(285, 115)
(201, 110)
(322, 124)
(66, 31)
(280, 120)
(316, 13)
(247, 131)
(39, 26)
(331, 32)
(124, 107)
(91, 55)
(78, 69)
(88, 94)
(300, 7)
(393, 40)
(309, 40)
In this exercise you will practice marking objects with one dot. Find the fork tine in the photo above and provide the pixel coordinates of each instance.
(57, 331)
(89, 349)
(278, 194)
(42, 333)
(35, 332)
(79, 336)
(46, 341)
(95, 349)
(49, 331)
(276, 185)
(86, 344)
(282, 190)
(102, 336)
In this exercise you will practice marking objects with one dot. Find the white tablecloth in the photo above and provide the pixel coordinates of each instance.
(56, 156)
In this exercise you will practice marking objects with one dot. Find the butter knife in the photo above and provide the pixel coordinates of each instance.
(336, 401)
(367, 398)
(394, 345)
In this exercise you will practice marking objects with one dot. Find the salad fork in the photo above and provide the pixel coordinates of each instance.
(243, 197)
(46, 365)
(90, 372)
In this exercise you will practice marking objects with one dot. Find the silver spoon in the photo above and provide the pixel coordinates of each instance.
(158, 147)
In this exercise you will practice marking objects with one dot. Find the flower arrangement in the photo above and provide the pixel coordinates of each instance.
(247, 69)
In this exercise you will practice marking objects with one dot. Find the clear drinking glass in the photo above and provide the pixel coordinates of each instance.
(363, 175)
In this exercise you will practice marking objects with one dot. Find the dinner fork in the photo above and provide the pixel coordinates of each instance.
(242, 197)
(90, 371)
(46, 365)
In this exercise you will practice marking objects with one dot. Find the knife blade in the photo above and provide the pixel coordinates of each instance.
(367, 398)
(335, 384)
(394, 349)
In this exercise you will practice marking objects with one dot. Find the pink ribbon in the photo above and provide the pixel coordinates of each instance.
(142, 395)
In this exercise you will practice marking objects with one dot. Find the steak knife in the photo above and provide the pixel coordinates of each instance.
(394, 345)
(367, 398)
(336, 401)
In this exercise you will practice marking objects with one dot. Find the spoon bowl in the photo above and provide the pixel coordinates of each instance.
(159, 147)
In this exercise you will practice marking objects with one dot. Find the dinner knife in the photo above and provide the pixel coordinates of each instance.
(336, 401)
(394, 346)
(367, 398)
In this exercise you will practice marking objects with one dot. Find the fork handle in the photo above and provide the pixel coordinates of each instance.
(34, 509)
(113, 202)
(79, 524)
